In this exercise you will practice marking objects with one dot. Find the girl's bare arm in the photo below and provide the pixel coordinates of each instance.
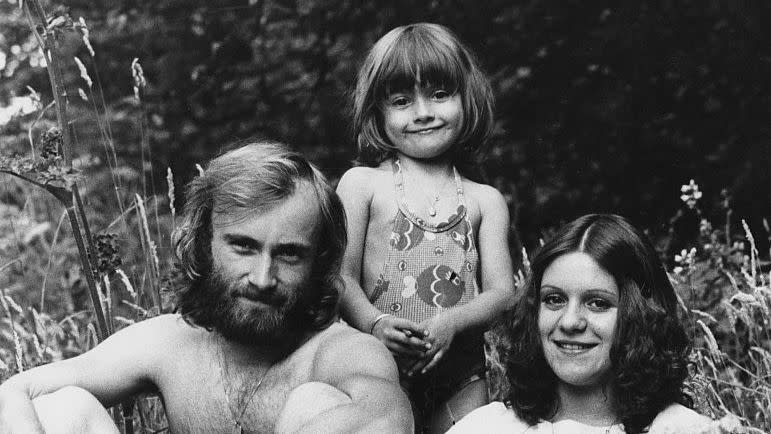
(356, 197)
(356, 308)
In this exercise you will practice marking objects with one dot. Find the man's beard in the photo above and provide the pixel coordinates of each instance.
(279, 322)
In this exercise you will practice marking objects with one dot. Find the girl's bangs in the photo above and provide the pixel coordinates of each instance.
(413, 61)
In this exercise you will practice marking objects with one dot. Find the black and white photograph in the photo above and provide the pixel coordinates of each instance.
(337, 216)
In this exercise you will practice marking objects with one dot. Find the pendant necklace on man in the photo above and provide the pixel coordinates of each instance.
(242, 404)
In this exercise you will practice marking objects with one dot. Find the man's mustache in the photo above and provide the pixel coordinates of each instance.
(267, 296)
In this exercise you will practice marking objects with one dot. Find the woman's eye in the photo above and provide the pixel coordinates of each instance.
(600, 304)
(553, 300)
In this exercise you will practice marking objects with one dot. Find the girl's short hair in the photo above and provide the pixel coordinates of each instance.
(252, 177)
(423, 54)
(650, 349)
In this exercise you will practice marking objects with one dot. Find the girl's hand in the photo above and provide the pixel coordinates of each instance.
(440, 331)
(401, 336)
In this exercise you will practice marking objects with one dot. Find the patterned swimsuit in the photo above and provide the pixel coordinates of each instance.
(431, 268)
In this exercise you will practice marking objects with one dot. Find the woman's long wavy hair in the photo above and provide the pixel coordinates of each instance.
(250, 178)
(649, 352)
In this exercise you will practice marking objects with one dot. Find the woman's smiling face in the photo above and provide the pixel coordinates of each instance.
(577, 319)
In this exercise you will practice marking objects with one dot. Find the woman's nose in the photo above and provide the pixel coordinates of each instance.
(261, 274)
(573, 319)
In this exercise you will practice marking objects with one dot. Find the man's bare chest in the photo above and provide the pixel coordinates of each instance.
(205, 402)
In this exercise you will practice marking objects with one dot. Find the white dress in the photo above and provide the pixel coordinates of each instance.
(495, 418)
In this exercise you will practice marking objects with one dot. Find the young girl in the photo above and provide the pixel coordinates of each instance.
(422, 236)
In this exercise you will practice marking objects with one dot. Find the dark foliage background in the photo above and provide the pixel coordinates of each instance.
(601, 106)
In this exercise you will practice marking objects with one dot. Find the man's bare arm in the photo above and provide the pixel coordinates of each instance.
(356, 389)
(122, 365)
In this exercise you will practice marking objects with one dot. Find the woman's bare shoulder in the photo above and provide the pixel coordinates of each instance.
(491, 418)
(679, 419)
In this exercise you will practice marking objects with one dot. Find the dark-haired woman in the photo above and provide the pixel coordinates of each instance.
(594, 344)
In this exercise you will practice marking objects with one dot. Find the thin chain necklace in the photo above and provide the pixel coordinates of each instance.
(237, 411)
(433, 201)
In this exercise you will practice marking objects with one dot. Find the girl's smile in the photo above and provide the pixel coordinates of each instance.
(577, 319)
(423, 122)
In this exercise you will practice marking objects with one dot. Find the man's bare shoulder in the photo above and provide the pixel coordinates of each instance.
(161, 331)
(359, 353)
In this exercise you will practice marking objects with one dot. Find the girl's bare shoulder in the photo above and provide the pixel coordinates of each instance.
(363, 179)
(483, 197)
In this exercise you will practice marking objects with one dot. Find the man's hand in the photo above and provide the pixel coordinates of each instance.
(17, 414)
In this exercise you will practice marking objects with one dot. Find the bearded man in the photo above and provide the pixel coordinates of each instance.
(253, 345)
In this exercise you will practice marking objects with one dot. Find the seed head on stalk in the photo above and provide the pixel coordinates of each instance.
(81, 25)
(139, 79)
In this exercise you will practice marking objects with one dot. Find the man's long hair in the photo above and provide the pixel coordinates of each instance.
(254, 177)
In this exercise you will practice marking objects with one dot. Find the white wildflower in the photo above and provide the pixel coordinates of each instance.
(691, 194)
(685, 260)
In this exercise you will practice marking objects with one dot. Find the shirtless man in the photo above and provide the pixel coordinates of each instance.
(253, 346)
